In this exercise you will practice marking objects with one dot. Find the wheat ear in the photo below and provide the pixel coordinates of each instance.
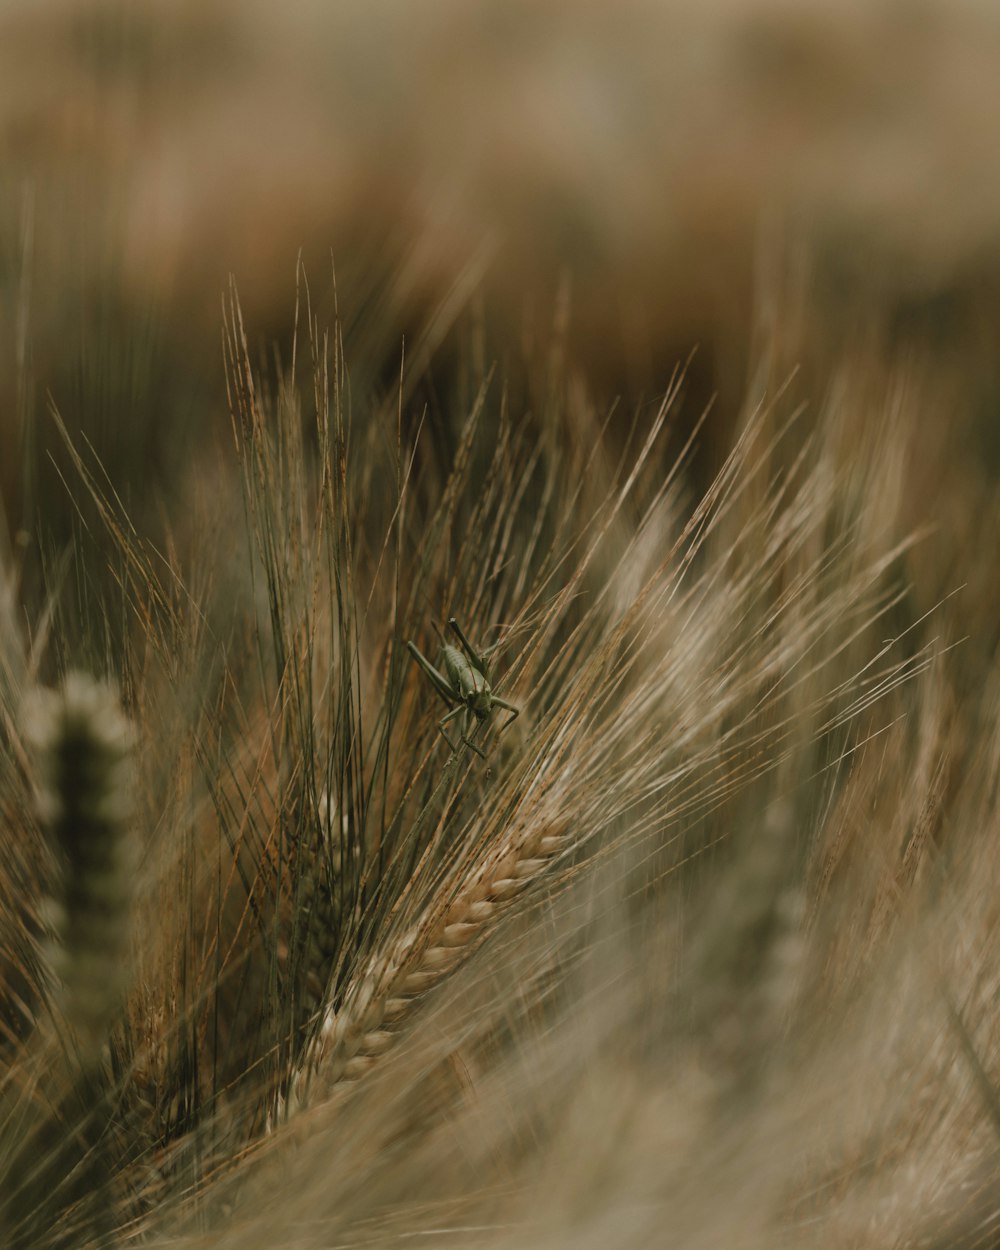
(83, 742)
(60, 1171)
(354, 1035)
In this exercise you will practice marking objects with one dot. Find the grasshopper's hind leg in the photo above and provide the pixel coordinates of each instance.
(479, 660)
(433, 676)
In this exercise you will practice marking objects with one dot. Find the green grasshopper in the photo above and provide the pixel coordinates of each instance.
(463, 686)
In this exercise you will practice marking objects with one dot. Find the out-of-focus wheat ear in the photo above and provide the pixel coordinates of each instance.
(59, 1171)
(751, 957)
(83, 742)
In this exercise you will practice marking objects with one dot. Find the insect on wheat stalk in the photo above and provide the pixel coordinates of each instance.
(464, 686)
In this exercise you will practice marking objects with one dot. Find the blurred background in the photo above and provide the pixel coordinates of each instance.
(771, 183)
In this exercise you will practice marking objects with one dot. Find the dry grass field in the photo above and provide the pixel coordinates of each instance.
(656, 344)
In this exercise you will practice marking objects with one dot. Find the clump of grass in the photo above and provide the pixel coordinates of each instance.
(580, 989)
